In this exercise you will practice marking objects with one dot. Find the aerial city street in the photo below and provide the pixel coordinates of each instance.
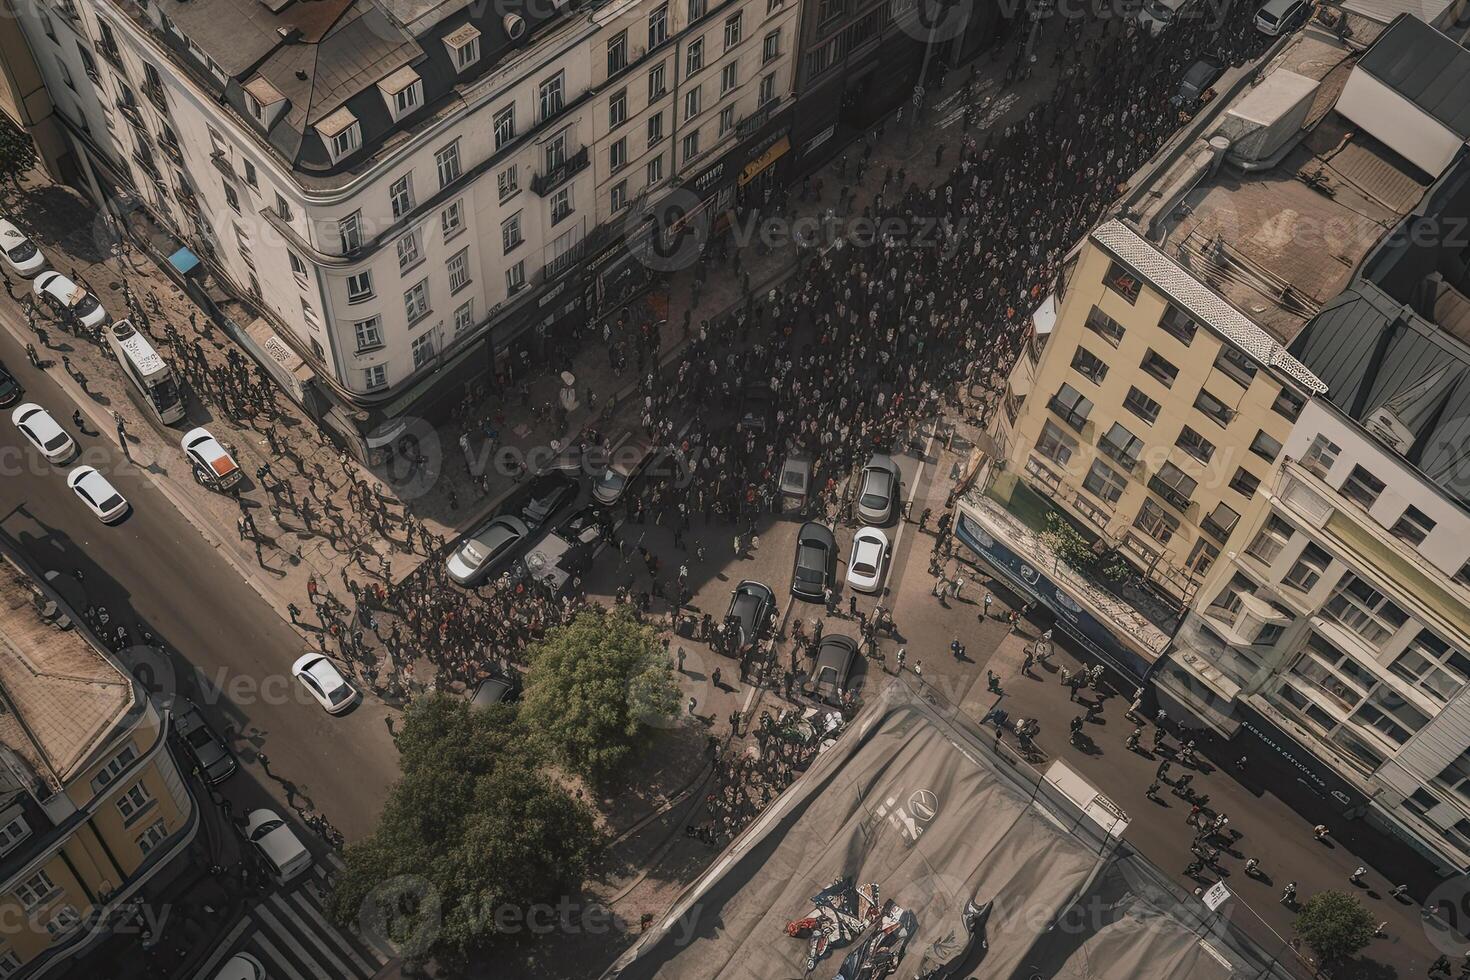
(734, 489)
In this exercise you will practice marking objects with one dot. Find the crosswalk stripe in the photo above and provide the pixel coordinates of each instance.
(337, 862)
(274, 955)
(330, 931)
(381, 951)
(206, 972)
(284, 935)
(306, 930)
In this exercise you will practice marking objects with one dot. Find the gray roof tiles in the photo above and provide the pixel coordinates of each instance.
(1425, 67)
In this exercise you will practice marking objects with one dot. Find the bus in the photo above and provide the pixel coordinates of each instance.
(147, 370)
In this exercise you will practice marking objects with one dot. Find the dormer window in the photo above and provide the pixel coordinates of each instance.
(341, 132)
(403, 91)
(263, 101)
(464, 47)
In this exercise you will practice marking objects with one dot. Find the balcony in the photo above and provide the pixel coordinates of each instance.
(172, 150)
(130, 109)
(156, 96)
(111, 53)
(1172, 496)
(222, 165)
(544, 184)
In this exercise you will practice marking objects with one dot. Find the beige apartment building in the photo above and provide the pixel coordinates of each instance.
(92, 805)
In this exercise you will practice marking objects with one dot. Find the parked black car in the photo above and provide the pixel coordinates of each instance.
(750, 607)
(209, 751)
(10, 389)
(546, 495)
(835, 656)
(815, 562)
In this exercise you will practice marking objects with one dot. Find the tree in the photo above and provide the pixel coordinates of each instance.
(17, 152)
(1335, 925)
(1066, 542)
(473, 827)
(596, 691)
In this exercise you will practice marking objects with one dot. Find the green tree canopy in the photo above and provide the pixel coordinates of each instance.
(596, 691)
(473, 826)
(17, 152)
(1335, 925)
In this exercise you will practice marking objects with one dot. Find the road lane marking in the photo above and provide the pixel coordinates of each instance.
(274, 955)
(307, 930)
(284, 935)
(206, 972)
(332, 932)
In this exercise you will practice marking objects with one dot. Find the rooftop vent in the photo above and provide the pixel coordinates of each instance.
(515, 26)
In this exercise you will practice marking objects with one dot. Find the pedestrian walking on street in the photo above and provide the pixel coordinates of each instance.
(959, 583)
(692, 705)
(1163, 771)
(1319, 832)
(291, 608)
(1288, 894)
(1357, 876)
(988, 600)
(1153, 791)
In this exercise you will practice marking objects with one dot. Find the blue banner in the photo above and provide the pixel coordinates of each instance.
(1071, 618)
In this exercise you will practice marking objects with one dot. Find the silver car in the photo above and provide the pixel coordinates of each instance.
(878, 491)
(486, 548)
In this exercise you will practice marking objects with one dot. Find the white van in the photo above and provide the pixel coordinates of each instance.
(1155, 15)
(1280, 16)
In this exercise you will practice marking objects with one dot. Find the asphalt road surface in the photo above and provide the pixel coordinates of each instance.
(154, 568)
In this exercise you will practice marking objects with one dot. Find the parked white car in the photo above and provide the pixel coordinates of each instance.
(37, 425)
(97, 493)
(60, 293)
(19, 252)
(213, 465)
(280, 847)
(865, 563)
(321, 677)
(241, 966)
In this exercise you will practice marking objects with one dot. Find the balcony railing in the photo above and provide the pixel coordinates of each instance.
(172, 150)
(111, 53)
(1179, 501)
(545, 184)
(130, 109)
(156, 96)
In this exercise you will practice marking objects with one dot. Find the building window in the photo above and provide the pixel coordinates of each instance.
(152, 837)
(232, 198)
(360, 287)
(1104, 483)
(1288, 404)
(1308, 569)
(401, 195)
(1055, 444)
(1235, 365)
(1320, 457)
(346, 141)
(1390, 716)
(727, 120)
(1436, 668)
(63, 921)
(618, 196)
(554, 152)
(1412, 526)
(375, 376)
(767, 91)
(1220, 522)
(1154, 521)
(12, 834)
(617, 53)
(447, 162)
(1121, 445)
(658, 26)
(515, 277)
(298, 267)
(252, 176)
(1362, 488)
(1174, 485)
(1362, 609)
(771, 47)
(1463, 575)
(1141, 405)
(1270, 540)
(1089, 365)
(1159, 369)
(1123, 281)
(451, 220)
(505, 126)
(1104, 326)
(464, 317)
(657, 85)
(617, 155)
(1244, 482)
(694, 56)
(283, 207)
(1195, 444)
(507, 182)
(733, 28)
(510, 233)
(9, 962)
(467, 52)
(459, 270)
(1071, 406)
(1266, 446)
(1218, 411)
(407, 98)
(1178, 325)
(827, 9)
(655, 128)
(551, 97)
(423, 350)
(35, 890)
(691, 146)
(617, 109)
(349, 229)
(133, 801)
(693, 102)
(114, 767)
(369, 334)
(408, 250)
(561, 205)
(655, 170)
(728, 77)
(416, 302)
(697, 9)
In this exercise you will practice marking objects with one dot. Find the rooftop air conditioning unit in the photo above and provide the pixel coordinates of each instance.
(515, 26)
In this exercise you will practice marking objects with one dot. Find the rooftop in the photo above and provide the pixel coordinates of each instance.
(60, 697)
(1275, 215)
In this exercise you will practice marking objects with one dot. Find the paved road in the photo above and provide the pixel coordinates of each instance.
(154, 568)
